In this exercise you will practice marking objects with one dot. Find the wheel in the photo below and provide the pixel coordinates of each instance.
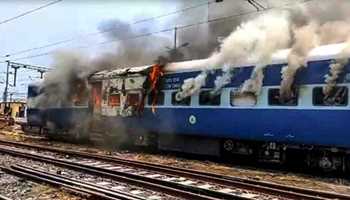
(228, 145)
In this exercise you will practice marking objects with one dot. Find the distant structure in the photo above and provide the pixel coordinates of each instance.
(13, 109)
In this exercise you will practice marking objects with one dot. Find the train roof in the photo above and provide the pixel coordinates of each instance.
(324, 52)
(319, 53)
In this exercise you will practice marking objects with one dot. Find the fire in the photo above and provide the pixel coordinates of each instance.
(154, 77)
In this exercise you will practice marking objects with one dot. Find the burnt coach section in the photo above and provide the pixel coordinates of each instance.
(140, 107)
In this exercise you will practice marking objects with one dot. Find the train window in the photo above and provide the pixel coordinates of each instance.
(242, 99)
(337, 97)
(183, 102)
(114, 100)
(207, 98)
(276, 100)
(133, 99)
(156, 99)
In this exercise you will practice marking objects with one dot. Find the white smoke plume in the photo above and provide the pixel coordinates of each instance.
(335, 69)
(191, 86)
(305, 39)
(317, 24)
(301, 29)
(254, 40)
(275, 36)
(224, 79)
(254, 84)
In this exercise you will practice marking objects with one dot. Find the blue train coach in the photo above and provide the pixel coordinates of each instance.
(141, 105)
(310, 126)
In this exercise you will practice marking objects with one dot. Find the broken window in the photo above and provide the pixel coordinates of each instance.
(242, 98)
(157, 99)
(183, 102)
(337, 97)
(114, 100)
(96, 96)
(209, 99)
(275, 99)
(133, 99)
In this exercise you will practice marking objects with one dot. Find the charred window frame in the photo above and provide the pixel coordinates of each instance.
(274, 98)
(159, 98)
(183, 102)
(133, 99)
(207, 98)
(337, 97)
(114, 100)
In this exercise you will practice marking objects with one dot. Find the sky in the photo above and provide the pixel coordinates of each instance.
(75, 18)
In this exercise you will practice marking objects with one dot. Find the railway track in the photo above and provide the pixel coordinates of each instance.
(105, 164)
(74, 185)
(161, 186)
(4, 198)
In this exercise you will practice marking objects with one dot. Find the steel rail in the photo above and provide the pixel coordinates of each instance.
(59, 182)
(4, 198)
(258, 186)
(170, 188)
(67, 183)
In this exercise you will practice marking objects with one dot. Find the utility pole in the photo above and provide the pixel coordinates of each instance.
(15, 75)
(175, 37)
(7, 78)
(174, 53)
(17, 66)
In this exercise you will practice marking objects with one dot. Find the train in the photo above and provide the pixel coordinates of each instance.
(126, 103)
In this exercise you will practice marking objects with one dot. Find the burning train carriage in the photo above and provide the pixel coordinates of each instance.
(55, 120)
(142, 103)
(267, 125)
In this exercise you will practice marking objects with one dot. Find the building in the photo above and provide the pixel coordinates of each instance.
(13, 109)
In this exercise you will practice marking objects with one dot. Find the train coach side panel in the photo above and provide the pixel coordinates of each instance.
(313, 127)
(66, 118)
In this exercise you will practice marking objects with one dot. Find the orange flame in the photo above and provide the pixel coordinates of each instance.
(154, 77)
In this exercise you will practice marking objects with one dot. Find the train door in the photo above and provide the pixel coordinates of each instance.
(96, 97)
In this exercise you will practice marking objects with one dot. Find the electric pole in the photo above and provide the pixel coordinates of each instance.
(175, 37)
(7, 78)
(17, 66)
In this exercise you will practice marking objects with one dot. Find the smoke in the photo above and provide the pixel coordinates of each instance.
(335, 69)
(67, 83)
(319, 25)
(254, 40)
(191, 86)
(223, 80)
(334, 32)
(305, 39)
(300, 28)
(254, 84)
(131, 49)
(205, 38)
(274, 31)
(62, 84)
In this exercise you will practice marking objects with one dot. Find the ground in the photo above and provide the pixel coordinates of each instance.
(287, 178)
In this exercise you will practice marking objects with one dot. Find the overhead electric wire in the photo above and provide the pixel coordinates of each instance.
(29, 12)
(165, 30)
(111, 29)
